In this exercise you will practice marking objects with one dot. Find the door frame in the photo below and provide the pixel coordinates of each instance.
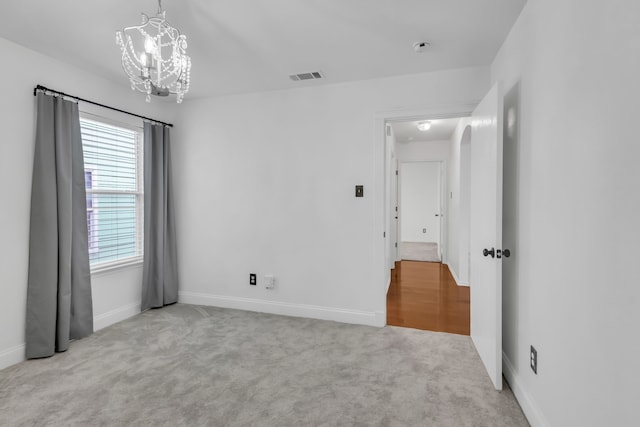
(382, 197)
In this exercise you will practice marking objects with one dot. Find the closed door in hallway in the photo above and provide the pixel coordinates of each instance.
(420, 211)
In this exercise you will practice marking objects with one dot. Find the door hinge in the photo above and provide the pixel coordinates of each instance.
(396, 172)
(384, 234)
(396, 244)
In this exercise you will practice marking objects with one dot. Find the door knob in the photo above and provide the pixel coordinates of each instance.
(487, 252)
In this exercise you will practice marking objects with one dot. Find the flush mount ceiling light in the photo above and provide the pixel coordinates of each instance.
(154, 57)
(424, 126)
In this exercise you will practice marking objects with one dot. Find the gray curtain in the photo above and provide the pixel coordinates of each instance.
(59, 307)
(160, 273)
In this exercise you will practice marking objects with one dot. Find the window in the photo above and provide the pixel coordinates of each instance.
(113, 182)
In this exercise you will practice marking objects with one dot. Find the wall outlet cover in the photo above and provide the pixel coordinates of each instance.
(269, 281)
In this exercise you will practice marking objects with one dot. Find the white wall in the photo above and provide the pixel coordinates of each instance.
(464, 209)
(265, 184)
(423, 151)
(391, 198)
(115, 294)
(420, 202)
(458, 203)
(576, 297)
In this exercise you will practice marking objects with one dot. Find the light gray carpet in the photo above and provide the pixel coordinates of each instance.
(419, 251)
(193, 366)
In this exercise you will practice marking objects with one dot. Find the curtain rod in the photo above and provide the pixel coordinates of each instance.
(77, 98)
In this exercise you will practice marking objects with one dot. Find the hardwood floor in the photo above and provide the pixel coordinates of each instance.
(424, 295)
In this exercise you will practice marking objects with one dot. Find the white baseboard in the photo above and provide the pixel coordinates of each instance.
(455, 277)
(114, 316)
(370, 318)
(528, 405)
(11, 356)
(14, 355)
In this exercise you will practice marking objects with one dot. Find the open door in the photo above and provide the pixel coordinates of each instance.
(485, 241)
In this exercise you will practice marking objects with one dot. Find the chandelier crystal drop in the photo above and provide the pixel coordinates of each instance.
(154, 57)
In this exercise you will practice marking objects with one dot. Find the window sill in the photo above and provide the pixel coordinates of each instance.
(115, 266)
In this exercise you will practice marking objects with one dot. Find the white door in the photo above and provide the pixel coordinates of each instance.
(486, 233)
(420, 202)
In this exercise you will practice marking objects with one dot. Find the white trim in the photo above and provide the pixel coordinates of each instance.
(528, 405)
(370, 318)
(106, 267)
(455, 276)
(428, 113)
(114, 316)
(12, 356)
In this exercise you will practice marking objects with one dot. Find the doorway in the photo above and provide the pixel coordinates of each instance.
(420, 211)
(423, 217)
(485, 230)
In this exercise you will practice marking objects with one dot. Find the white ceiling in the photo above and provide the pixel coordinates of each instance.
(440, 130)
(246, 46)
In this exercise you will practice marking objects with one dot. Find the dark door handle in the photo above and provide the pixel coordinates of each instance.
(487, 252)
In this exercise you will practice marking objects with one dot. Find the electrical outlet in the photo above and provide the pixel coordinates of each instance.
(533, 354)
(253, 279)
(269, 281)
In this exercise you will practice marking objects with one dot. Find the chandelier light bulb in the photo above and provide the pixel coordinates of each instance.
(149, 45)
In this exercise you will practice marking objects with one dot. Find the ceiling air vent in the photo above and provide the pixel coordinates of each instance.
(306, 76)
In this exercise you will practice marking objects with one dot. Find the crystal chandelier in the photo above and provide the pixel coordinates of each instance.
(154, 57)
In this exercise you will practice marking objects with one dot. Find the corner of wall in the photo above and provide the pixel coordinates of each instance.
(528, 405)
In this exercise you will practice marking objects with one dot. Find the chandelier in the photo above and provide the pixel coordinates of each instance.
(154, 57)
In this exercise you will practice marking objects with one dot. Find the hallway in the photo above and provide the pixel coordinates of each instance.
(424, 295)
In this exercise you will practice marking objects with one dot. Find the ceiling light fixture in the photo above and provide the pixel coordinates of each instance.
(154, 57)
(424, 126)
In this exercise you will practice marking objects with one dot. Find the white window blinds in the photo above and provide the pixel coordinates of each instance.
(113, 180)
